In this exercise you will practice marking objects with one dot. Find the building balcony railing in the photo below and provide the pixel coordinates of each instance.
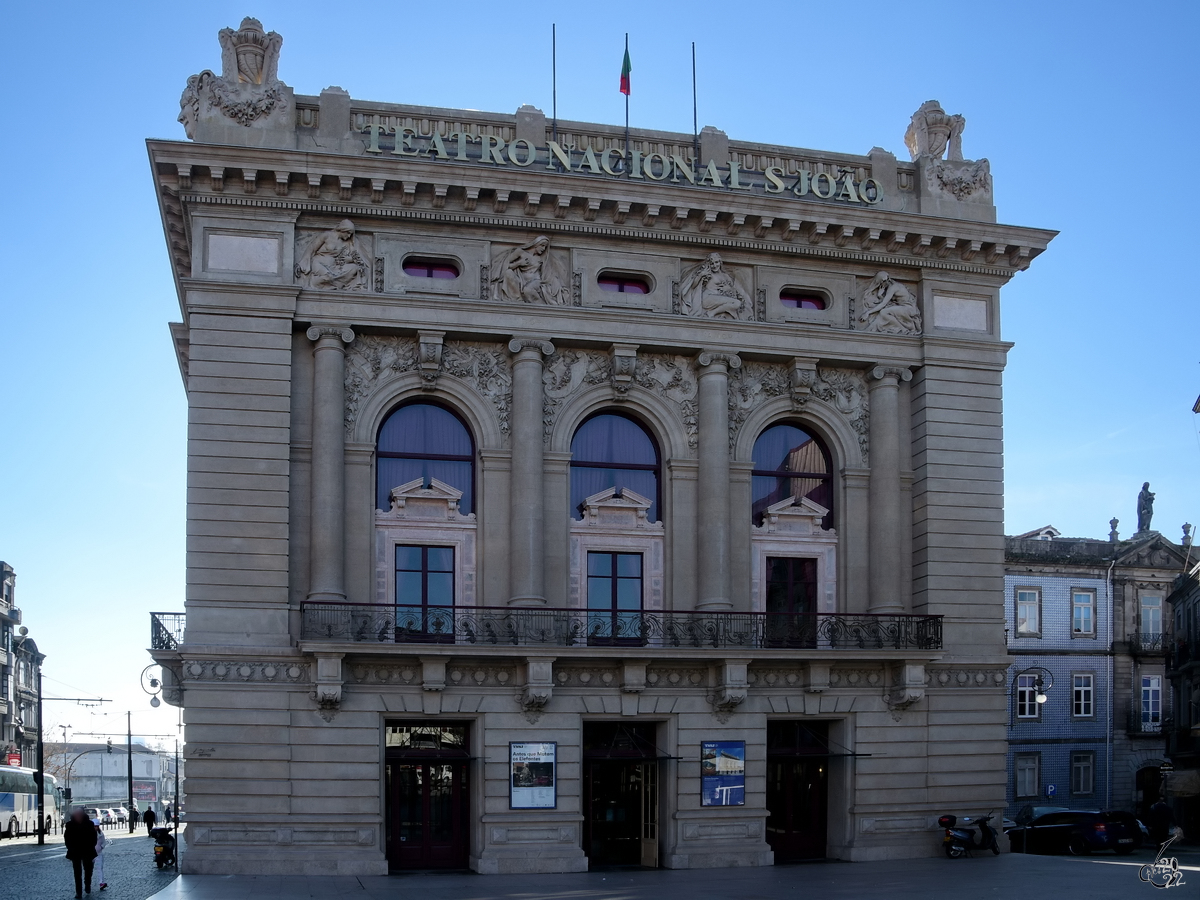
(166, 630)
(555, 627)
(1149, 643)
(1181, 653)
(1139, 722)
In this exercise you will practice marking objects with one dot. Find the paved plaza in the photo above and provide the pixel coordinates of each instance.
(1010, 876)
(30, 872)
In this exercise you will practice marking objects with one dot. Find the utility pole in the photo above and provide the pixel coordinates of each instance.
(175, 805)
(129, 747)
(41, 766)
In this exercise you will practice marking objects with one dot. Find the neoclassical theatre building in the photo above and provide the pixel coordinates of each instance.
(560, 498)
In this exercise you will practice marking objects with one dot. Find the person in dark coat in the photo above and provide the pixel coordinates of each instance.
(1159, 822)
(149, 818)
(80, 839)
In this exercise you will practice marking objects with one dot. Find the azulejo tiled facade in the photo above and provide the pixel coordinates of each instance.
(556, 501)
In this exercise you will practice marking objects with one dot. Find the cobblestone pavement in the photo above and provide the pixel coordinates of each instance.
(1009, 876)
(30, 872)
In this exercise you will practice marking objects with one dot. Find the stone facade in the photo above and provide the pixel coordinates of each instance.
(339, 261)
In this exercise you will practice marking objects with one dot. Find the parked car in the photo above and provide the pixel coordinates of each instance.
(1075, 831)
(122, 815)
(94, 814)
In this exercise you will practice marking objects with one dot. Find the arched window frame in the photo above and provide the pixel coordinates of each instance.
(387, 454)
(656, 468)
(827, 477)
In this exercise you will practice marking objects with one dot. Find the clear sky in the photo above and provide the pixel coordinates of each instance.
(1087, 112)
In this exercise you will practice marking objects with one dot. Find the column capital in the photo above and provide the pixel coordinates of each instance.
(345, 332)
(896, 373)
(714, 358)
(520, 344)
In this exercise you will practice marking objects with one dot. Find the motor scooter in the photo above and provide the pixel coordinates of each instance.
(164, 846)
(959, 840)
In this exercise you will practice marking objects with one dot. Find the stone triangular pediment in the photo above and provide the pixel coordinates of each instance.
(616, 507)
(416, 498)
(796, 515)
(1045, 533)
(1152, 550)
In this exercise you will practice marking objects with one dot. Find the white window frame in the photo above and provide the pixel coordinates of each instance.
(1083, 763)
(1025, 765)
(1152, 697)
(1083, 695)
(1089, 605)
(1036, 631)
(1150, 603)
(1026, 699)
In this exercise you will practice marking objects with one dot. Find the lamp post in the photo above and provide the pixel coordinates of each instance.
(1043, 682)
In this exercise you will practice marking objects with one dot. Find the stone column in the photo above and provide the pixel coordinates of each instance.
(886, 515)
(328, 549)
(713, 511)
(527, 504)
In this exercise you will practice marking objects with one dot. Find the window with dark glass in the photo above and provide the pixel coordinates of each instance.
(614, 596)
(424, 591)
(796, 299)
(791, 599)
(609, 450)
(617, 283)
(427, 267)
(422, 440)
(790, 462)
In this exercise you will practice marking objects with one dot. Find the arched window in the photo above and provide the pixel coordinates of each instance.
(610, 450)
(422, 440)
(790, 462)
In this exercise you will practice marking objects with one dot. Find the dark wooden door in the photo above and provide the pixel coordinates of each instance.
(427, 821)
(615, 804)
(798, 806)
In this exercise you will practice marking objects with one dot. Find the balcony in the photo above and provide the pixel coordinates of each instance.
(1138, 724)
(1154, 643)
(166, 630)
(382, 623)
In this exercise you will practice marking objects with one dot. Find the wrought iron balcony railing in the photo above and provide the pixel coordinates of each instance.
(166, 630)
(1144, 722)
(556, 627)
(1149, 643)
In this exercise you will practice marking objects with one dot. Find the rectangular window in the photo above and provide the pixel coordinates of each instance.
(1152, 618)
(614, 598)
(791, 601)
(1027, 690)
(1151, 703)
(1082, 695)
(1083, 770)
(1029, 618)
(1026, 774)
(1083, 613)
(424, 593)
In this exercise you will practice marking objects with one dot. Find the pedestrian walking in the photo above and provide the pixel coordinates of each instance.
(98, 865)
(149, 818)
(1160, 821)
(79, 835)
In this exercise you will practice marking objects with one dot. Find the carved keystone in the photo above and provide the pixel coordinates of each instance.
(804, 376)
(539, 685)
(429, 357)
(328, 692)
(624, 362)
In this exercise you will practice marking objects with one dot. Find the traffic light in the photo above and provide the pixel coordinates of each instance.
(110, 745)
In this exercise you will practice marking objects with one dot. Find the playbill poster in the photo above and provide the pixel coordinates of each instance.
(533, 774)
(723, 773)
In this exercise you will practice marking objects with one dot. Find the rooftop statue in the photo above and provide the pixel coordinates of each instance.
(709, 290)
(529, 274)
(247, 90)
(888, 307)
(932, 133)
(932, 130)
(1145, 508)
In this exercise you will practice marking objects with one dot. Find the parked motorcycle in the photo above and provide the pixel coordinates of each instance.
(959, 839)
(164, 846)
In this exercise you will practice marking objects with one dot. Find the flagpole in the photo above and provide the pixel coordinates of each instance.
(554, 79)
(695, 116)
(627, 112)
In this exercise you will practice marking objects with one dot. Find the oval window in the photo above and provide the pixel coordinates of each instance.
(802, 299)
(421, 267)
(623, 284)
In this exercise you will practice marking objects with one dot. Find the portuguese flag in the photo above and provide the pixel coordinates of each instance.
(626, 68)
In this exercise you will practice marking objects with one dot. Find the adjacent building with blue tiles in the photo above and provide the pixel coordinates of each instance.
(1086, 627)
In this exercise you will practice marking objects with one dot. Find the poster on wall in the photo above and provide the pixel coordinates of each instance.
(532, 768)
(723, 773)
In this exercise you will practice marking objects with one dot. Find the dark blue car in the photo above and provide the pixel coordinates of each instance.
(1075, 831)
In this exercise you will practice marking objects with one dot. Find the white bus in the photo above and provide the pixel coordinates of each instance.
(18, 801)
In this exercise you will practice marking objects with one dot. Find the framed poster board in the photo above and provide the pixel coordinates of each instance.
(532, 770)
(723, 773)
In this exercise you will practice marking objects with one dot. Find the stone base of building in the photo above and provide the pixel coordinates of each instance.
(277, 861)
(718, 859)
(529, 862)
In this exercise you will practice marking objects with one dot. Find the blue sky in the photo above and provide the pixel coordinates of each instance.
(1087, 113)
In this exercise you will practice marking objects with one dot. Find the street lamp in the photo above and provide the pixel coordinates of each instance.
(1043, 681)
